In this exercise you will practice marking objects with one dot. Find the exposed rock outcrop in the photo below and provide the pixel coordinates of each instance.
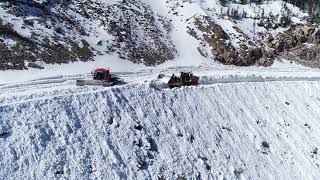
(300, 43)
(221, 47)
(55, 31)
(138, 36)
(67, 31)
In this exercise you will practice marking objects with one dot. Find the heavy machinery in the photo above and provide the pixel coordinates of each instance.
(185, 79)
(101, 77)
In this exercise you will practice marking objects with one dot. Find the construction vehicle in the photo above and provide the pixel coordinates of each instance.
(101, 77)
(185, 79)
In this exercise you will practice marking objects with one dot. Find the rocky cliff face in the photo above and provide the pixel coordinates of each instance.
(34, 30)
(300, 43)
(64, 31)
(229, 39)
(210, 33)
(137, 33)
(56, 31)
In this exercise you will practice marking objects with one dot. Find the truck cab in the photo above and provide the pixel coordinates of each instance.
(101, 74)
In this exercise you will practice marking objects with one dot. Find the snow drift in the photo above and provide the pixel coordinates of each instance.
(245, 130)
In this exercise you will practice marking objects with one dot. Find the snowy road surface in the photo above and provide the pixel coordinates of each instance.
(238, 124)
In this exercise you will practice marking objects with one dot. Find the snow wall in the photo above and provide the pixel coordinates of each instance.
(267, 130)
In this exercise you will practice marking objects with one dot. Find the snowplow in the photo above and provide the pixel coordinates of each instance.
(185, 79)
(101, 77)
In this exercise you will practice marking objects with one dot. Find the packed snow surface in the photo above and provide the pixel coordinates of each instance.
(239, 123)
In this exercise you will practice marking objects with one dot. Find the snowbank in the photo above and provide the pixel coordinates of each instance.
(221, 131)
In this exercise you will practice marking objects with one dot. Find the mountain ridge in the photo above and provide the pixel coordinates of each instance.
(142, 31)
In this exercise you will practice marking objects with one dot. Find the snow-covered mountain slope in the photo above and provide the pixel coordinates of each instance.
(142, 31)
(66, 31)
(239, 123)
(247, 130)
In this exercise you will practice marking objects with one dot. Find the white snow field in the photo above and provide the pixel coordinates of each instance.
(240, 123)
